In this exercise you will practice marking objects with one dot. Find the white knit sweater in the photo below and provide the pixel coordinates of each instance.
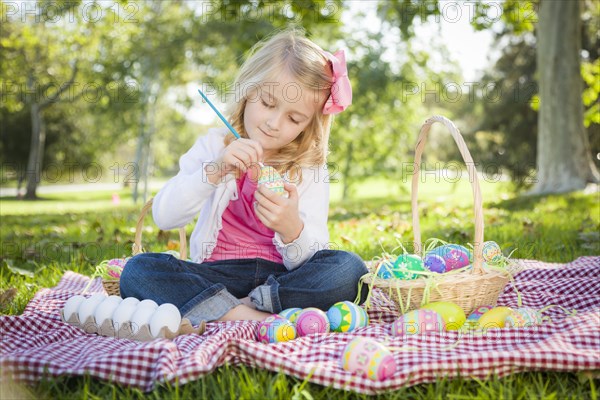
(189, 193)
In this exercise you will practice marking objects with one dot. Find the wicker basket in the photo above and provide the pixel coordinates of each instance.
(469, 288)
(112, 285)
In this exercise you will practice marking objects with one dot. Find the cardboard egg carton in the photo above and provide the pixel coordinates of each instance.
(127, 331)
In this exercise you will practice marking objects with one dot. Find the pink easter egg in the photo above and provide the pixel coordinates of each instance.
(311, 320)
(418, 322)
(368, 357)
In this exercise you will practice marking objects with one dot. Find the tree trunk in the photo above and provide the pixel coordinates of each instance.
(36, 152)
(564, 161)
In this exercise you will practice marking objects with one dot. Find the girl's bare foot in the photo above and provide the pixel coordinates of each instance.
(244, 313)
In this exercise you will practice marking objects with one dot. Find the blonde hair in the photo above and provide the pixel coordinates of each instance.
(292, 52)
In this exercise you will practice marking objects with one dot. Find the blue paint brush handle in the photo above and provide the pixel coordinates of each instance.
(237, 135)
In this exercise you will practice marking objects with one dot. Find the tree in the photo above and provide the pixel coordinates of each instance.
(564, 159)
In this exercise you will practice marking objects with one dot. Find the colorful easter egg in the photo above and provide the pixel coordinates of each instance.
(386, 270)
(435, 263)
(453, 315)
(346, 316)
(276, 329)
(478, 312)
(406, 263)
(272, 180)
(311, 320)
(494, 318)
(523, 317)
(455, 256)
(492, 252)
(368, 357)
(290, 314)
(418, 321)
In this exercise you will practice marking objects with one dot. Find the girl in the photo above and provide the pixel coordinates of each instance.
(255, 252)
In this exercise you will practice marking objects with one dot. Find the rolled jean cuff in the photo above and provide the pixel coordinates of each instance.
(213, 307)
(266, 297)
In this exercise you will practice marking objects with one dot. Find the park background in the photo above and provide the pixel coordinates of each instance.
(98, 100)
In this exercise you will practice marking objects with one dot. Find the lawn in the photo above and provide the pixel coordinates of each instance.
(40, 240)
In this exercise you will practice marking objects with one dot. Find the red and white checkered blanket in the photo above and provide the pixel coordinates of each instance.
(39, 341)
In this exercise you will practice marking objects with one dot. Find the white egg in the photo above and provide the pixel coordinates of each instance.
(141, 317)
(105, 310)
(148, 303)
(87, 308)
(72, 305)
(166, 315)
(122, 314)
(130, 300)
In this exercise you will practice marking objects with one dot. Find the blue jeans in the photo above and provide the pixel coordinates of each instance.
(209, 290)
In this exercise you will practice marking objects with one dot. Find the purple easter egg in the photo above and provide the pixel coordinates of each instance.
(435, 263)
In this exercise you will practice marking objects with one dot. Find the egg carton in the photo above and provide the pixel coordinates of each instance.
(127, 331)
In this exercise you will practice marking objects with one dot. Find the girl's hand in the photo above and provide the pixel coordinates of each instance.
(278, 213)
(240, 155)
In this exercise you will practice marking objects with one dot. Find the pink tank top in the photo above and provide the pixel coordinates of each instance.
(242, 234)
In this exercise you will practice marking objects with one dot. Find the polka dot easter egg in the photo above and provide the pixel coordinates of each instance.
(275, 329)
(290, 314)
(386, 270)
(272, 180)
(368, 357)
(492, 252)
(311, 320)
(406, 263)
(418, 322)
(346, 316)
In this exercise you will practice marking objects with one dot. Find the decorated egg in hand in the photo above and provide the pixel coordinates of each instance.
(272, 180)
(406, 263)
(276, 329)
(368, 357)
(418, 321)
(311, 320)
(346, 316)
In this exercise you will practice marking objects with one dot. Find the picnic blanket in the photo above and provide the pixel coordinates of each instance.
(38, 342)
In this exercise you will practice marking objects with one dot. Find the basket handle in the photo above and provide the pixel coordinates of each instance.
(477, 206)
(137, 244)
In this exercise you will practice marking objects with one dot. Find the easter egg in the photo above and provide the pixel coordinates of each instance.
(71, 306)
(386, 270)
(406, 263)
(523, 317)
(418, 321)
(453, 315)
(494, 318)
(276, 329)
(346, 316)
(435, 263)
(311, 320)
(290, 314)
(368, 357)
(478, 312)
(272, 180)
(454, 255)
(492, 252)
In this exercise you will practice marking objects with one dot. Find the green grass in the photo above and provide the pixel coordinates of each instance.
(40, 240)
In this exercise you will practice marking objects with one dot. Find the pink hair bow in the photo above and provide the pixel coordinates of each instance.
(341, 91)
